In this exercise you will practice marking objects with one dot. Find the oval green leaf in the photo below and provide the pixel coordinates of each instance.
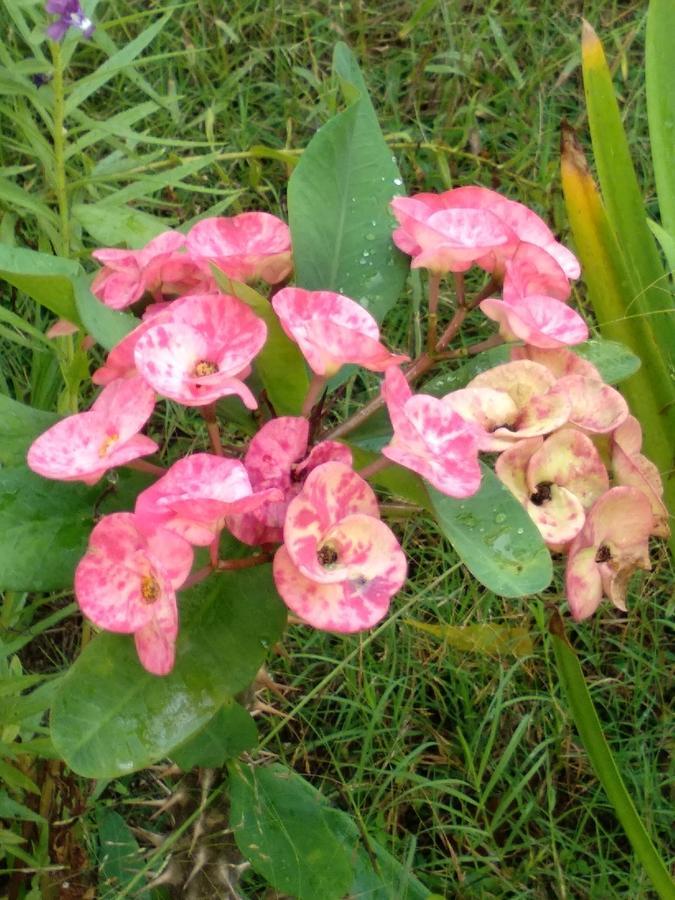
(226, 735)
(107, 326)
(343, 243)
(495, 538)
(111, 717)
(47, 279)
(19, 426)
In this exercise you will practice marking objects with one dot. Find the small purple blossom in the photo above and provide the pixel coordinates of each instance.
(70, 15)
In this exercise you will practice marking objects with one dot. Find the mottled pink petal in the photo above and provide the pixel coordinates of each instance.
(250, 245)
(541, 321)
(569, 458)
(511, 466)
(331, 331)
(628, 435)
(639, 472)
(62, 328)
(559, 362)
(493, 413)
(583, 583)
(594, 406)
(533, 270)
(156, 647)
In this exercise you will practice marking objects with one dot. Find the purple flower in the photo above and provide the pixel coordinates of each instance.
(70, 15)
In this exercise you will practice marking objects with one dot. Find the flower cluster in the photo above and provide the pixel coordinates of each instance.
(558, 430)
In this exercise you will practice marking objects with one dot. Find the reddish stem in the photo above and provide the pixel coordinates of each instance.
(209, 415)
(316, 386)
(246, 563)
(142, 465)
(374, 467)
(434, 287)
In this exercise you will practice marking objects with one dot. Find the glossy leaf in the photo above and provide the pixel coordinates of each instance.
(230, 732)
(490, 639)
(45, 524)
(613, 360)
(107, 326)
(659, 43)
(19, 426)
(111, 717)
(343, 243)
(280, 363)
(282, 826)
(47, 279)
(622, 195)
(111, 226)
(495, 538)
(650, 391)
(604, 765)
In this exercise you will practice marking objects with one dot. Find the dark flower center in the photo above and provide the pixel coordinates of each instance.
(603, 554)
(327, 555)
(542, 493)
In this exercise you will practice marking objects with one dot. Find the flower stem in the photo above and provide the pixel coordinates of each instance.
(209, 415)
(434, 287)
(247, 562)
(590, 730)
(374, 467)
(59, 141)
(142, 465)
(316, 386)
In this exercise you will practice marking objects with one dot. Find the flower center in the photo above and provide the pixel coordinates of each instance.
(104, 449)
(204, 367)
(150, 589)
(604, 554)
(327, 556)
(542, 493)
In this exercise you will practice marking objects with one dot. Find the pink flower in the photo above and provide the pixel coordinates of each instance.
(559, 362)
(610, 547)
(517, 222)
(556, 480)
(331, 331)
(633, 469)
(84, 446)
(339, 565)
(537, 320)
(248, 246)
(127, 581)
(157, 268)
(430, 438)
(277, 458)
(531, 270)
(120, 362)
(196, 494)
(510, 402)
(196, 354)
(594, 406)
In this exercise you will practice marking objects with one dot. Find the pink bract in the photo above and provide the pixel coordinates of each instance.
(127, 581)
(510, 402)
(340, 565)
(632, 469)
(538, 320)
(196, 494)
(611, 546)
(331, 331)
(248, 246)
(431, 438)
(84, 446)
(195, 356)
(517, 220)
(560, 362)
(556, 480)
(156, 268)
(594, 406)
(532, 270)
(277, 458)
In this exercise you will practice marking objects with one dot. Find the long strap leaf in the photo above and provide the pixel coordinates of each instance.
(589, 728)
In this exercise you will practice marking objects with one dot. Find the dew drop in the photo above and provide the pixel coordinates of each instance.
(398, 182)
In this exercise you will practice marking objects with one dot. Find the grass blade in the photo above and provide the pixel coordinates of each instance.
(588, 725)
(660, 41)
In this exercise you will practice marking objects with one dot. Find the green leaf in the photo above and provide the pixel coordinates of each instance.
(113, 225)
(280, 363)
(111, 717)
(282, 826)
(495, 538)
(45, 525)
(107, 326)
(120, 857)
(659, 43)
(613, 360)
(343, 243)
(490, 639)
(590, 730)
(230, 732)
(19, 426)
(622, 195)
(47, 279)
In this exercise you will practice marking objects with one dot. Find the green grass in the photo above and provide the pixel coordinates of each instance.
(463, 765)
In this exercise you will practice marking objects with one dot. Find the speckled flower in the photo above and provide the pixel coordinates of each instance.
(277, 458)
(127, 581)
(611, 546)
(339, 565)
(632, 468)
(331, 331)
(430, 438)
(84, 446)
